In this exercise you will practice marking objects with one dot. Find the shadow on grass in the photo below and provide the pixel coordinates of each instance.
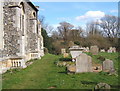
(115, 86)
(64, 72)
(88, 82)
(65, 59)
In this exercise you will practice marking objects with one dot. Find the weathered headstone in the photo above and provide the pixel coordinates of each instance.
(83, 63)
(94, 50)
(107, 65)
(111, 50)
(63, 50)
(90, 64)
(114, 49)
(86, 49)
(102, 50)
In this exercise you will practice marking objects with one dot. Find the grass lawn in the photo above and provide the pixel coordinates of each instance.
(44, 74)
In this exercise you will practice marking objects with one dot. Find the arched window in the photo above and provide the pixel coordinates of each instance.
(22, 18)
(34, 15)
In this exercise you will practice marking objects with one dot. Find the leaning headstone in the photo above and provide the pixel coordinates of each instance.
(94, 50)
(107, 65)
(63, 50)
(102, 87)
(83, 63)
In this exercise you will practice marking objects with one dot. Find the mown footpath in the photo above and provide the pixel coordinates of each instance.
(45, 74)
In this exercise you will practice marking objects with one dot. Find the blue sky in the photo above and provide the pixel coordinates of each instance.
(76, 13)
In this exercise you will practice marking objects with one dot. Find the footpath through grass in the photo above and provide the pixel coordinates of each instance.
(44, 74)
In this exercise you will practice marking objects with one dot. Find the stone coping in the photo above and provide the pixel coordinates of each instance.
(14, 57)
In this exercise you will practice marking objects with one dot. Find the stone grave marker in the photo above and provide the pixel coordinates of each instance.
(111, 50)
(83, 63)
(94, 50)
(114, 49)
(63, 50)
(107, 65)
(102, 50)
(85, 49)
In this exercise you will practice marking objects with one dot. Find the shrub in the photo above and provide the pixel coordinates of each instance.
(77, 42)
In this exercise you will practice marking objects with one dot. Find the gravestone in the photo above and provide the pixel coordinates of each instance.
(89, 64)
(63, 50)
(111, 50)
(114, 49)
(86, 49)
(102, 50)
(83, 63)
(94, 50)
(107, 65)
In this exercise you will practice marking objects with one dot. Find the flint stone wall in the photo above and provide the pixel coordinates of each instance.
(12, 32)
(30, 31)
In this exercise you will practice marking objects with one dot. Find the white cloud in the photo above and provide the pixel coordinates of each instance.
(114, 11)
(91, 15)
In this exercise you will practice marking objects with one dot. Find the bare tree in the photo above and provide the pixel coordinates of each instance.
(109, 25)
(93, 28)
(55, 35)
(75, 34)
(45, 25)
(64, 30)
(42, 20)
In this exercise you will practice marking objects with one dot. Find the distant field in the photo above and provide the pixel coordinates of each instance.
(44, 74)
